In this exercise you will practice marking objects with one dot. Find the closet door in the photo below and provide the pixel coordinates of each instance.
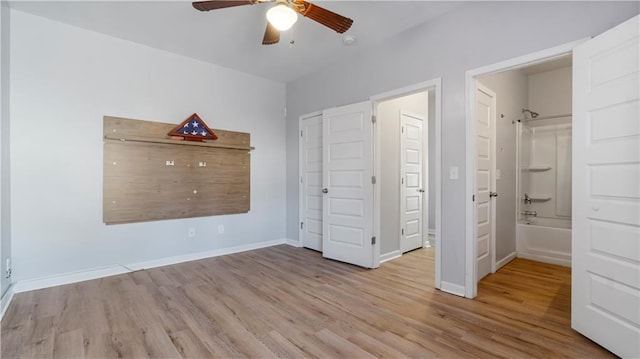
(347, 172)
(311, 182)
(411, 182)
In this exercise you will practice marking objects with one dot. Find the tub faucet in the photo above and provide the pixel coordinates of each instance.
(527, 199)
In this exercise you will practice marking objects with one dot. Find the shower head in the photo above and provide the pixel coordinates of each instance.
(531, 113)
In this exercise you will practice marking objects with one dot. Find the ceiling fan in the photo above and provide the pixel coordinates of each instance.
(283, 15)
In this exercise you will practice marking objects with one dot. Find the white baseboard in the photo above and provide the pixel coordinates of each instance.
(202, 255)
(505, 260)
(452, 288)
(74, 277)
(293, 242)
(431, 238)
(389, 256)
(6, 300)
(546, 259)
(68, 278)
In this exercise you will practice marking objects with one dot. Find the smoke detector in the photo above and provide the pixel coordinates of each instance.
(349, 40)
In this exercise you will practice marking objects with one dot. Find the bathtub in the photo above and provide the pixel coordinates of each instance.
(545, 240)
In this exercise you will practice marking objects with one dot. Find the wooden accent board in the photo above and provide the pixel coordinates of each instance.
(149, 177)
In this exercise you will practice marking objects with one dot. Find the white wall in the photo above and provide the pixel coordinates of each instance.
(511, 88)
(389, 121)
(473, 35)
(63, 80)
(5, 198)
(550, 92)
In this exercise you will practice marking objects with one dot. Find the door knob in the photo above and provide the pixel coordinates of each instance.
(324, 190)
(420, 190)
(493, 194)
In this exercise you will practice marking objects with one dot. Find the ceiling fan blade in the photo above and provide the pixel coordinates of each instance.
(220, 4)
(330, 19)
(271, 35)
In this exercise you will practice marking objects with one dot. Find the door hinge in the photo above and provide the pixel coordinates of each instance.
(402, 231)
(374, 119)
(402, 180)
(473, 198)
(301, 225)
(301, 134)
(373, 179)
(301, 181)
(373, 240)
(402, 129)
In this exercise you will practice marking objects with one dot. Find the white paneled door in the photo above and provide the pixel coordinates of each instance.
(605, 299)
(348, 189)
(411, 143)
(311, 182)
(485, 179)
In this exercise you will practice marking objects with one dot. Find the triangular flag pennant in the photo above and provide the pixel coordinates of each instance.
(194, 129)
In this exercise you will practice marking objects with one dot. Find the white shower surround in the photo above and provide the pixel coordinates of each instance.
(545, 171)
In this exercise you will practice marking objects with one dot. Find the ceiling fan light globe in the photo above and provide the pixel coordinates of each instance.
(282, 17)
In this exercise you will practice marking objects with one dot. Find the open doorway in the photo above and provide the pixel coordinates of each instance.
(341, 166)
(404, 148)
(523, 165)
(503, 99)
(406, 168)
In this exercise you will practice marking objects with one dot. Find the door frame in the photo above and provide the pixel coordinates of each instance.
(436, 86)
(471, 76)
(300, 187)
(425, 176)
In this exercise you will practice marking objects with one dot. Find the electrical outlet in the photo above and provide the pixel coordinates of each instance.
(192, 232)
(220, 228)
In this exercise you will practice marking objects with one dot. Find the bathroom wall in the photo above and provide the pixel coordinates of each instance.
(550, 92)
(511, 88)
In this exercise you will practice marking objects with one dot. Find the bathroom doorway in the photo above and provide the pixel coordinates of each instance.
(510, 80)
(530, 182)
(604, 177)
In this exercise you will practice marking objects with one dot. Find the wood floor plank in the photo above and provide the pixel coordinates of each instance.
(285, 302)
(284, 346)
(375, 347)
(69, 345)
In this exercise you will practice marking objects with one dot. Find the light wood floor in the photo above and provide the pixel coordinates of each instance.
(290, 302)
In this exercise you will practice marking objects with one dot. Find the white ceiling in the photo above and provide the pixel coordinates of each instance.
(232, 37)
